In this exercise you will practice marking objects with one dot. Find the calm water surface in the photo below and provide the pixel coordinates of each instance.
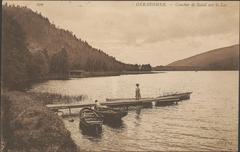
(208, 121)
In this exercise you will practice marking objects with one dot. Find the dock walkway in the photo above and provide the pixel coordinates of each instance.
(127, 102)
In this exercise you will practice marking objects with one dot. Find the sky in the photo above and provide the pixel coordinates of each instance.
(158, 34)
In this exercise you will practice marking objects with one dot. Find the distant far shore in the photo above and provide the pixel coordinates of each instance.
(109, 73)
(117, 73)
(194, 68)
(165, 70)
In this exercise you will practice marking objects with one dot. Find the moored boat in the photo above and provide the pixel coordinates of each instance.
(111, 114)
(90, 121)
(181, 96)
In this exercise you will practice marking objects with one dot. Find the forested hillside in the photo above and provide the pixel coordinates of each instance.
(35, 49)
(41, 35)
(15, 57)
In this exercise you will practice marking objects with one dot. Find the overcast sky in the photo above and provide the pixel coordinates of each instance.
(157, 35)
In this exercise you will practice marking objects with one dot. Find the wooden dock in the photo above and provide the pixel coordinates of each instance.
(127, 102)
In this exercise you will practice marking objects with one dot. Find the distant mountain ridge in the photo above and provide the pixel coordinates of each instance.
(226, 58)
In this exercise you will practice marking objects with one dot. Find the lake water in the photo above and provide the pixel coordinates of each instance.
(208, 121)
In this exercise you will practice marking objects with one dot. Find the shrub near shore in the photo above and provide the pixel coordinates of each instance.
(29, 126)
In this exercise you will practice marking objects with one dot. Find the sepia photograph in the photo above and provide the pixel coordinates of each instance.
(119, 76)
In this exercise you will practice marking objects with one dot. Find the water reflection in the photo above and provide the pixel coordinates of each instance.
(116, 124)
(138, 110)
(91, 135)
(137, 121)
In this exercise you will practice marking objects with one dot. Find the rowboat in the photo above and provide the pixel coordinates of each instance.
(90, 121)
(181, 96)
(111, 114)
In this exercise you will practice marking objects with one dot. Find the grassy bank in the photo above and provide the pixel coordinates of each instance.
(51, 98)
(29, 126)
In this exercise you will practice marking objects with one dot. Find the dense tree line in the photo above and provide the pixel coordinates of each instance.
(34, 49)
(59, 63)
(19, 66)
(146, 67)
(42, 33)
(15, 56)
(39, 68)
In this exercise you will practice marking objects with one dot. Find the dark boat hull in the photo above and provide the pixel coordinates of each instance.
(181, 96)
(90, 129)
(166, 103)
(90, 121)
(112, 115)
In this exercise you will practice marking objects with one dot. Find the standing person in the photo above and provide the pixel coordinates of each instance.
(137, 92)
(97, 105)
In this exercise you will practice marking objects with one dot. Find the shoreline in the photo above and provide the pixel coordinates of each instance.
(179, 68)
(112, 73)
(28, 125)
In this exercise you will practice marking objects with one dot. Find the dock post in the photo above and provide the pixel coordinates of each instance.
(69, 111)
(177, 101)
